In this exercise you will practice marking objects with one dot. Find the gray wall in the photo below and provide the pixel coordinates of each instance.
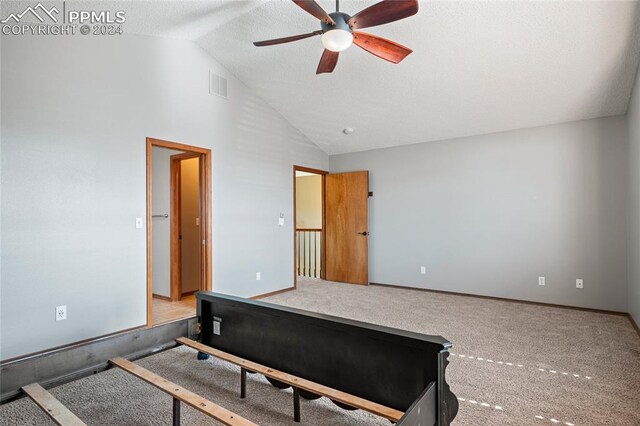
(489, 214)
(633, 203)
(75, 114)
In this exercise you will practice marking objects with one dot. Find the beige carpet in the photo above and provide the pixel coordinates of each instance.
(510, 363)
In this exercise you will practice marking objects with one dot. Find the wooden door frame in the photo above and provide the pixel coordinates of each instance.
(176, 224)
(206, 272)
(323, 258)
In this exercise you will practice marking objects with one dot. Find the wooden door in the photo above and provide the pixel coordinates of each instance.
(190, 242)
(347, 230)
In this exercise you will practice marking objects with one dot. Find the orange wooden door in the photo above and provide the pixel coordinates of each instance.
(347, 227)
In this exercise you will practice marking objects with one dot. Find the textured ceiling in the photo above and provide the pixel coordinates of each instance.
(477, 67)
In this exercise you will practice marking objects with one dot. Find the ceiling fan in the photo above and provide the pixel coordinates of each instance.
(338, 31)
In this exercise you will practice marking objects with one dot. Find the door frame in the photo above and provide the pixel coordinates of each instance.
(206, 269)
(323, 258)
(176, 224)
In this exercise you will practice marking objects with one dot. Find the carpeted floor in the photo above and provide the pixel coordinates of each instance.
(511, 364)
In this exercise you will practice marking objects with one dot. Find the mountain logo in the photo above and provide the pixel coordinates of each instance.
(33, 11)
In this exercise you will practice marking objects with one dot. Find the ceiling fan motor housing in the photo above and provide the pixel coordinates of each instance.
(341, 20)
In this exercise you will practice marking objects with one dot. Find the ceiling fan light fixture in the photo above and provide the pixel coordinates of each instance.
(337, 40)
(338, 31)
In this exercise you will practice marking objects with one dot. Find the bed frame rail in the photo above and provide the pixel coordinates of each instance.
(296, 382)
(50, 405)
(181, 394)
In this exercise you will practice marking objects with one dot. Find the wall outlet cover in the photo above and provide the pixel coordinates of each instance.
(542, 281)
(61, 313)
(258, 277)
(423, 270)
(579, 283)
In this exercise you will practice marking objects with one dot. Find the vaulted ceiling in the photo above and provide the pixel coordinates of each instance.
(477, 67)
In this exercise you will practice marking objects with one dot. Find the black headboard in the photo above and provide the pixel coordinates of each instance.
(388, 366)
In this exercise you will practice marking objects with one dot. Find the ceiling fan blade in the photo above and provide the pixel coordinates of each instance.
(384, 12)
(381, 47)
(328, 61)
(285, 39)
(314, 9)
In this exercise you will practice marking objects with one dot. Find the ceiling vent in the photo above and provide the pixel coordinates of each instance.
(217, 85)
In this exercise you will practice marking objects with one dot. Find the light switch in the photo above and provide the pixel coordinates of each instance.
(138, 223)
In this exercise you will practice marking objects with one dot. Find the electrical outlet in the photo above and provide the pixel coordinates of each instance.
(138, 223)
(61, 313)
(257, 276)
(541, 281)
(423, 270)
(579, 283)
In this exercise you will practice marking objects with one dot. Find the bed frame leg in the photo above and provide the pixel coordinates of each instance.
(176, 412)
(243, 383)
(296, 405)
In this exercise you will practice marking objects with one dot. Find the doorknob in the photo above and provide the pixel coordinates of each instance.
(365, 233)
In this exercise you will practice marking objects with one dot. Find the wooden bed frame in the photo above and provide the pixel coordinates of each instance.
(395, 374)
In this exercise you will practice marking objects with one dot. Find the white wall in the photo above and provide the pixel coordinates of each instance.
(75, 114)
(489, 214)
(161, 230)
(633, 203)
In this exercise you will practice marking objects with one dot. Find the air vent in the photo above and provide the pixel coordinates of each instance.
(217, 85)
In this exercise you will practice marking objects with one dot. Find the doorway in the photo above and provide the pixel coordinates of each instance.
(331, 226)
(309, 223)
(185, 226)
(178, 229)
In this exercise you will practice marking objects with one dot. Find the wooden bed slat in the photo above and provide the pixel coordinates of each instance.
(50, 405)
(298, 382)
(196, 401)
